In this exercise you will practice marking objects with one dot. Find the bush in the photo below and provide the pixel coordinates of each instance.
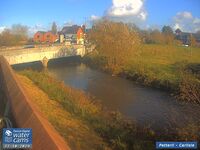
(189, 88)
(114, 41)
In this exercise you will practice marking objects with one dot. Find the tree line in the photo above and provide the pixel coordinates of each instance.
(16, 35)
(165, 36)
(118, 42)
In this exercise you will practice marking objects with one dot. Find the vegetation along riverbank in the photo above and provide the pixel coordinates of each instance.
(156, 60)
(85, 124)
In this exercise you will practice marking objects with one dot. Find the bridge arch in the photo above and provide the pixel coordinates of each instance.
(45, 61)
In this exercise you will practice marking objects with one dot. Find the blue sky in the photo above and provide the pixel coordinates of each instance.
(39, 14)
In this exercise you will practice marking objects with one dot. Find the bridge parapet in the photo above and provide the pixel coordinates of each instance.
(38, 54)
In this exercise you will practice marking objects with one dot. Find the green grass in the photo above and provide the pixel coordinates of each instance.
(165, 62)
(160, 66)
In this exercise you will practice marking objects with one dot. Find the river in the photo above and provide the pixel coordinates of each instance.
(145, 105)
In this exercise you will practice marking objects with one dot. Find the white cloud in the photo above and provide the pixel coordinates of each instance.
(94, 18)
(142, 15)
(186, 22)
(125, 7)
(184, 14)
(2, 28)
(196, 20)
(132, 11)
(69, 23)
(177, 26)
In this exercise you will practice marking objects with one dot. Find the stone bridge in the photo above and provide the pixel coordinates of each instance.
(43, 54)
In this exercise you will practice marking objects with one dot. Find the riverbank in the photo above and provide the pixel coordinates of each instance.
(111, 129)
(109, 126)
(167, 67)
(73, 130)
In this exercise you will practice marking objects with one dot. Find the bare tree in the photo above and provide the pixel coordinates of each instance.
(115, 41)
(6, 38)
(193, 41)
(20, 31)
(17, 35)
(54, 28)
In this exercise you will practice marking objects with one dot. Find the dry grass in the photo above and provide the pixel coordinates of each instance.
(76, 132)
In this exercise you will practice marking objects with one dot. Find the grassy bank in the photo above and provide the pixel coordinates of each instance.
(168, 67)
(87, 125)
(75, 132)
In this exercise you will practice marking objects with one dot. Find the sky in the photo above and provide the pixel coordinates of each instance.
(39, 14)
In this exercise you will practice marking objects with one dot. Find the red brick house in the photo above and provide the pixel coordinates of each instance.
(80, 33)
(43, 37)
(80, 36)
(50, 37)
(39, 37)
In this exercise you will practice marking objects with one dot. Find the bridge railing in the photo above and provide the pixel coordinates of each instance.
(25, 113)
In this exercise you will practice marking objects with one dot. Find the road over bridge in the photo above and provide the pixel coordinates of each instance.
(43, 54)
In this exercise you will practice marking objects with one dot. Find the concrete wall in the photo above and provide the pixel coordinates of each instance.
(25, 114)
(38, 54)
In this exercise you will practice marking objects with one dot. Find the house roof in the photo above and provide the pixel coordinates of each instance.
(178, 30)
(197, 36)
(70, 29)
(42, 32)
(50, 32)
(186, 33)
